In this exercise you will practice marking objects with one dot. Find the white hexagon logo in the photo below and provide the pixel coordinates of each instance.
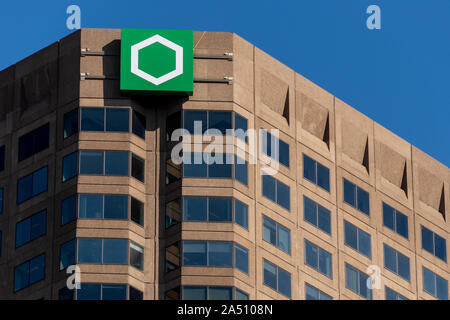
(169, 44)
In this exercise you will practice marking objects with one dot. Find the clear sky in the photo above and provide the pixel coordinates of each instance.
(399, 75)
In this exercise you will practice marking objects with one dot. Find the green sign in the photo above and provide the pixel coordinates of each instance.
(157, 60)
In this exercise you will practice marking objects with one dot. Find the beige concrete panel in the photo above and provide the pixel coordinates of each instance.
(97, 39)
(100, 65)
(212, 91)
(93, 88)
(243, 77)
(353, 131)
(213, 40)
(212, 69)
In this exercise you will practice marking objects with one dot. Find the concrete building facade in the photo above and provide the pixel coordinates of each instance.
(349, 194)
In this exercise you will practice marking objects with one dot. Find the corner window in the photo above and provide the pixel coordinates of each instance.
(70, 123)
(31, 228)
(137, 211)
(31, 185)
(241, 170)
(356, 197)
(240, 127)
(136, 256)
(102, 251)
(70, 166)
(139, 124)
(137, 167)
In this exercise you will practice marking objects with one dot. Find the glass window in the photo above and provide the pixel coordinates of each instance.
(92, 119)
(349, 193)
(316, 173)
(220, 254)
(2, 158)
(270, 275)
(317, 258)
(283, 195)
(29, 272)
(70, 123)
(137, 211)
(362, 197)
(173, 122)
(194, 208)
(136, 256)
(194, 166)
(194, 253)
(323, 177)
(275, 148)
(1, 200)
(221, 167)
(241, 258)
(90, 206)
(116, 207)
(356, 281)
(67, 254)
(173, 212)
(309, 168)
(220, 120)
(396, 262)
(116, 163)
(114, 292)
(434, 244)
(135, 294)
(284, 153)
(268, 187)
(277, 278)
(220, 209)
(395, 220)
(241, 213)
(32, 185)
(115, 251)
(68, 209)
(34, 142)
(194, 293)
(276, 234)
(117, 120)
(317, 215)
(89, 291)
(240, 295)
(192, 116)
(89, 250)
(70, 166)
(139, 125)
(172, 257)
(357, 239)
(313, 293)
(284, 236)
(137, 168)
(434, 284)
(91, 162)
(392, 295)
(284, 282)
(241, 170)
(240, 127)
(65, 294)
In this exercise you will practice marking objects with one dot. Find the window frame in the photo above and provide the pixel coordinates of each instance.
(356, 189)
(277, 226)
(31, 239)
(358, 230)
(316, 172)
(395, 214)
(397, 266)
(277, 268)
(316, 206)
(434, 236)
(33, 194)
(276, 191)
(319, 250)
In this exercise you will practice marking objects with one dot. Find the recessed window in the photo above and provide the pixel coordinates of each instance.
(68, 210)
(356, 281)
(317, 215)
(110, 163)
(241, 170)
(434, 244)
(70, 166)
(91, 162)
(393, 295)
(276, 191)
(277, 278)
(318, 259)
(70, 123)
(434, 284)
(357, 239)
(312, 293)
(276, 234)
(137, 211)
(174, 212)
(136, 256)
(102, 251)
(241, 213)
(32, 185)
(356, 197)
(395, 220)
(2, 158)
(137, 168)
(92, 119)
(194, 118)
(240, 127)
(172, 257)
(241, 258)
(104, 291)
(209, 293)
(220, 120)
(316, 173)
(116, 163)
(396, 262)
(173, 122)
(67, 254)
(275, 148)
(34, 142)
(31, 228)
(220, 209)
(1, 200)
(29, 272)
(139, 124)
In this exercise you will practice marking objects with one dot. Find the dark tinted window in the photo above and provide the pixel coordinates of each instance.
(396, 262)
(2, 158)
(67, 254)
(90, 206)
(395, 220)
(241, 170)
(135, 294)
(99, 206)
(276, 191)
(277, 278)
(89, 250)
(434, 244)
(117, 120)
(65, 294)
(220, 253)
(68, 209)
(137, 168)
(275, 148)
(1, 200)
(70, 123)
(194, 208)
(116, 207)
(392, 295)
(220, 167)
(31, 228)
(137, 211)
(114, 292)
(136, 256)
(434, 284)
(240, 127)
(32, 185)
(313, 293)
(194, 253)
(173, 122)
(356, 197)
(316, 173)
(220, 209)
(70, 166)
(220, 120)
(241, 213)
(29, 272)
(241, 258)
(317, 215)
(34, 142)
(357, 239)
(139, 125)
(92, 119)
(89, 291)
(91, 162)
(356, 281)
(116, 163)
(317, 258)
(191, 116)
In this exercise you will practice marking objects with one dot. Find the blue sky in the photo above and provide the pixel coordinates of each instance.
(399, 75)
